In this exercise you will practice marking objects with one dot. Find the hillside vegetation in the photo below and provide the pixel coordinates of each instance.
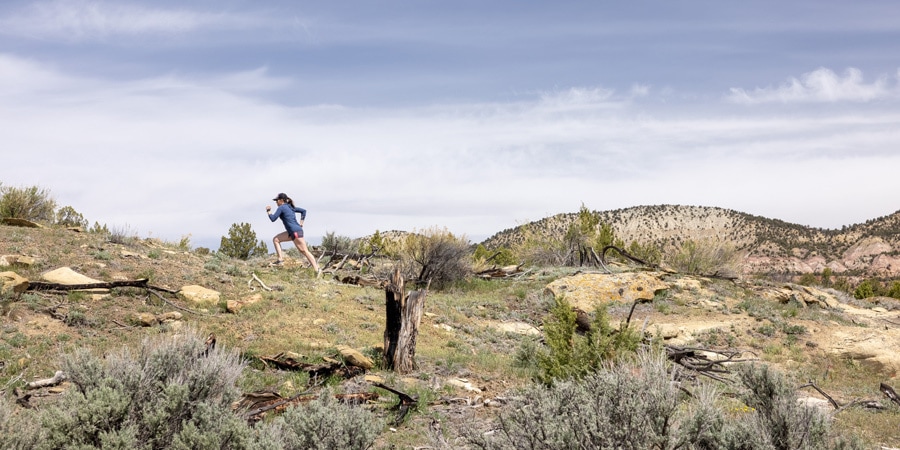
(768, 246)
(511, 347)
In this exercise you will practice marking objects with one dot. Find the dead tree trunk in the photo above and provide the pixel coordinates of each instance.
(403, 313)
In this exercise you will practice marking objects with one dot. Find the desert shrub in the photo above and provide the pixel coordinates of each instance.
(171, 393)
(19, 429)
(630, 404)
(568, 355)
(635, 404)
(778, 420)
(501, 256)
(585, 233)
(68, 217)
(870, 287)
(324, 423)
(121, 234)
(435, 255)
(536, 250)
(241, 243)
(30, 203)
(335, 243)
(705, 258)
(647, 252)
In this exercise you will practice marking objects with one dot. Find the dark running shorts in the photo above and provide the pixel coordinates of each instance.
(296, 234)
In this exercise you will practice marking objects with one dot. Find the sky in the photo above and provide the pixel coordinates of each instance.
(176, 119)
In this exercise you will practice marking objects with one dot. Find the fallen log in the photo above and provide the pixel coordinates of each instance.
(46, 286)
(277, 404)
(405, 402)
(889, 392)
(57, 378)
(315, 371)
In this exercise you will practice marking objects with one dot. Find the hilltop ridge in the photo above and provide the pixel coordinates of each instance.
(767, 245)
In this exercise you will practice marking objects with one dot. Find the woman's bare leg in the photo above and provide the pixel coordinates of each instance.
(301, 245)
(277, 240)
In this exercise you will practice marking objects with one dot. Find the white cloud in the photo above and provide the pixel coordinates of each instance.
(81, 20)
(820, 86)
(173, 155)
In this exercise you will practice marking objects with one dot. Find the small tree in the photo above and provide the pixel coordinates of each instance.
(436, 255)
(68, 217)
(241, 243)
(336, 243)
(570, 356)
(29, 203)
(705, 258)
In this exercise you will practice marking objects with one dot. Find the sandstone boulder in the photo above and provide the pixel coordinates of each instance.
(199, 295)
(21, 223)
(65, 275)
(355, 357)
(804, 295)
(587, 290)
(12, 283)
(16, 260)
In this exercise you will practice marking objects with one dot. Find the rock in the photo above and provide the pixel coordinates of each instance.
(373, 379)
(517, 328)
(16, 260)
(199, 295)
(143, 319)
(21, 223)
(171, 316)
(65, 275)
(804, 295)
(233, 306)
(463, 383)
(586, 291)
(355, 358)
(12, 283)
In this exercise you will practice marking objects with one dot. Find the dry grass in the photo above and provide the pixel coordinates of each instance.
(309, 316)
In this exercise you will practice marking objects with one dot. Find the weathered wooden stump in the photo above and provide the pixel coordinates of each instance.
(403, 314)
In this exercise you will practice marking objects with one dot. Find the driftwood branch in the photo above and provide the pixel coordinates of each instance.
(889, 392)
(57, 378)
(45, 286)
(406, 402)
(256, 278)
(261, 404)
(696, 360)
(166, 301)
(820, 391)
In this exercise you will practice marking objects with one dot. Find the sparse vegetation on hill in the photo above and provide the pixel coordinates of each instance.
(498, 359)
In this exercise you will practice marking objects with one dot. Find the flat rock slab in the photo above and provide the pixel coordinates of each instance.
(587, 290)
(199, 295)
(67, 276)
(21, 223)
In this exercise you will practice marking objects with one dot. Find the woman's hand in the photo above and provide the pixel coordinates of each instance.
(268, 208)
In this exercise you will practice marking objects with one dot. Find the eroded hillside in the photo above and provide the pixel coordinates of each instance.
(767, 245)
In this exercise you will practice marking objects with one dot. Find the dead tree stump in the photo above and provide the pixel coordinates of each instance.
(403, 314)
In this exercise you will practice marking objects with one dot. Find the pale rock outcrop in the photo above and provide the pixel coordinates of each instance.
(587, 290)
(12, 283)
(199, 295)
(67, 276)
(21, 223)
(16, 260)
(803, 295)
(235, 306)
(355, 357)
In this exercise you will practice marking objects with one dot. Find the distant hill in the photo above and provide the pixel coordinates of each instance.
(768, 245)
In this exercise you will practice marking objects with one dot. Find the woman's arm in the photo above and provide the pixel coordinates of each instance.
(302, 212)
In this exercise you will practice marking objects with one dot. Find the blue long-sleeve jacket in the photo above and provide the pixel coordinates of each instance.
(289, 217)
